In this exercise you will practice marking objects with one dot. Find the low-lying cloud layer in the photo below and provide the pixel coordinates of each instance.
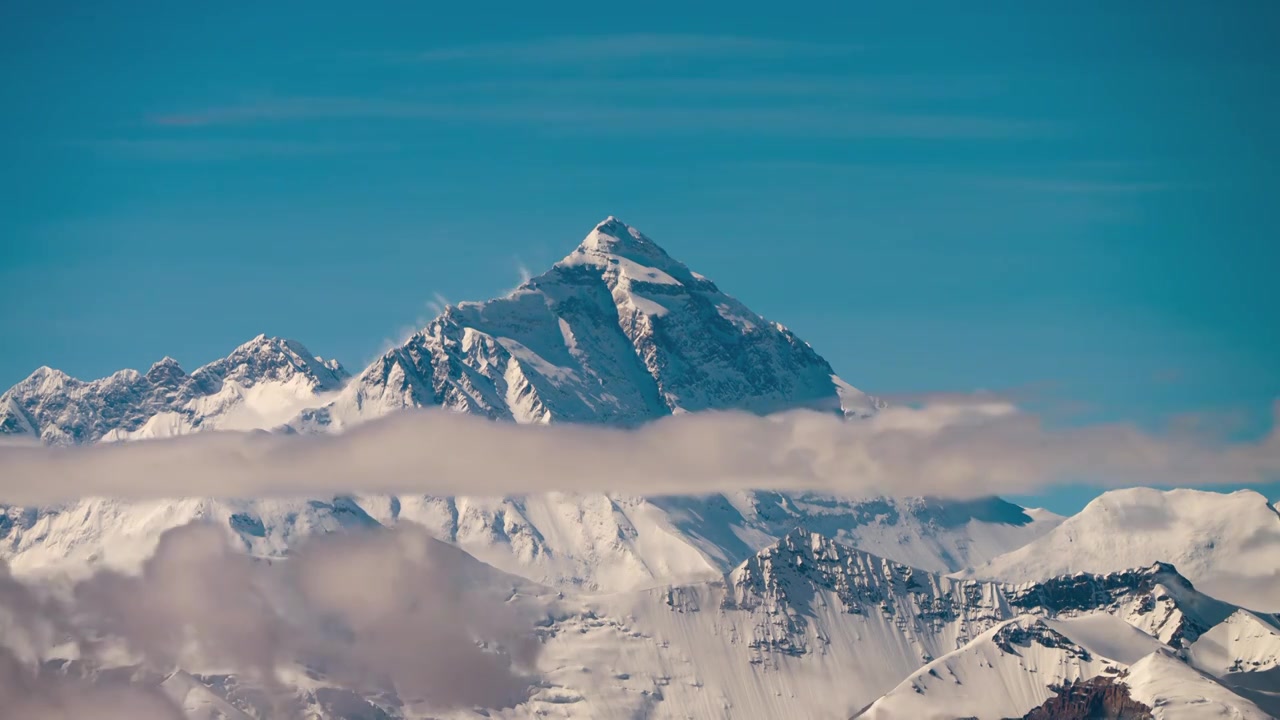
(32, 695)
(957, 449)
(380, 611)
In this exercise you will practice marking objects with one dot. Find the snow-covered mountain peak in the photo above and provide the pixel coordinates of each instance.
(1175, 690)
(261, 383)
(1227, 543)
(628, 256)
(46, 380)
(1155, 599)
(273, 358)
(612, 236)
(1039, 669)
(618, 332)
(1244, 642)
(165, 370)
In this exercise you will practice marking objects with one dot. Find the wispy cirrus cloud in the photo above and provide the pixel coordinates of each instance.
(475, 97)
(1074, 186)
(300, 108)
(595, 48)
(772, 86)
(629, 118)
(1057, 180)
(202, 149)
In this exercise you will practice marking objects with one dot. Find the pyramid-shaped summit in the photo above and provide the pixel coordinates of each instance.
(633, 254)
(612, 236)
(618, 332)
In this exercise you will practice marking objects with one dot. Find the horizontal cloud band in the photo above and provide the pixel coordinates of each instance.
(952, 448)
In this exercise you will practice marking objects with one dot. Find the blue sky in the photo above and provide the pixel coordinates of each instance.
(1071, 201)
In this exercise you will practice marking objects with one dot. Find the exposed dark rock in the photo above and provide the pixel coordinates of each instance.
(1101, 698)
(1013, 634)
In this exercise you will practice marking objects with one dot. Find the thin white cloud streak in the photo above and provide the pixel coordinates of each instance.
(945, 449)
(632, 46)
(206, 149)
(815, 118)
(770, 87)
(1071, 182)
(303, 108)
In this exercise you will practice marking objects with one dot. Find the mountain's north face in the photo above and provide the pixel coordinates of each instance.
(617, 332)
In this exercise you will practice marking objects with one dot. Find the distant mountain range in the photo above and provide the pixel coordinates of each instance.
(617, 332)
(261, 384)
(736, 605)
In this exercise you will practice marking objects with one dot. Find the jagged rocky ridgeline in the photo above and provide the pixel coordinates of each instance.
(260, 384)
(617, 332)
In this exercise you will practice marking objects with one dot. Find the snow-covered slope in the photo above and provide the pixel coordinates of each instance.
(806, 627)
(1244, 642)
(1021, 665)
(581, 541)
(615, 542)
(1003, 673)
(197, 701)
(1156, 600)
(260, 384)
(76, 538)
(811, 628)
(1228, 544)
(1176, 691)
(617, 332)
(1243, 653)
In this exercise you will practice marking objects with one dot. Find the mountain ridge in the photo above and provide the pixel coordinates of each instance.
(247, 388)
(810, 627)
(1228, 543)
(617, 332)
